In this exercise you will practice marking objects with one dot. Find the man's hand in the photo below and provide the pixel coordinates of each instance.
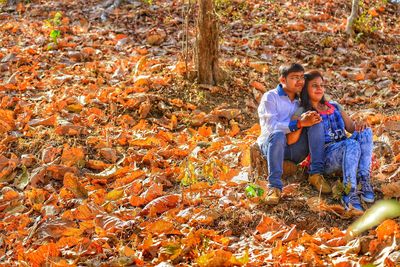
(310, 118)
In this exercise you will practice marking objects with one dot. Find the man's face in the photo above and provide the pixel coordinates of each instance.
(294, 82)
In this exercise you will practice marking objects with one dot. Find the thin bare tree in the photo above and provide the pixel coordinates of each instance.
(353, 16)
(207, 50)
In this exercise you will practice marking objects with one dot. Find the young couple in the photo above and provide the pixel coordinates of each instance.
(296, 120)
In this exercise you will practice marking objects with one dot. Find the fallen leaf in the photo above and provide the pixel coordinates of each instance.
(73, 156)
(71, 182)
(161, 204)
(267, 224)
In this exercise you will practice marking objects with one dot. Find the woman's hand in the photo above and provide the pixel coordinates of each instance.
(360, 125)
(310, 118)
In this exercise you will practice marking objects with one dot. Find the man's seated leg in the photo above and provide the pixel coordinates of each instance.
(273, 150)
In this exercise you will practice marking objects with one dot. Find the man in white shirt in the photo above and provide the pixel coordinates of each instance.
(275, 112)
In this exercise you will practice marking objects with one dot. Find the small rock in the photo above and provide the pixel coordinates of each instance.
(156, 37)
(384, 84)
(342, 50)
(75, 56)
(9, 57)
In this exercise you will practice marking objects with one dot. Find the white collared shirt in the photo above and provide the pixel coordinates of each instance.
(275, 112)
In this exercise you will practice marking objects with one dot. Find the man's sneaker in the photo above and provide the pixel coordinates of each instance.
(352, 200)
(273, 196)
(367, 192)
(319, 182)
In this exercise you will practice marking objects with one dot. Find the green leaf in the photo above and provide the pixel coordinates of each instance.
(57, 18)
(253, 190)
(54, 34)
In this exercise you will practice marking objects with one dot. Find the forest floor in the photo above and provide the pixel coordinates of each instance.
(112, 155)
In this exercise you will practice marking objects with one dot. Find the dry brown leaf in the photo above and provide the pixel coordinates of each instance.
(49, 154)
(268, 224)
(70, 130)
(54, 228)
(161, 204)
(71, 182)
(109, 154)
(144, 109)
(97, 164)
(296, 26)
(50, 121)
(6, 120)
(205, 217)
(391, 189)
(229, 114)
(160, 226)
(73, 156)
(259, 86)
(110, 224)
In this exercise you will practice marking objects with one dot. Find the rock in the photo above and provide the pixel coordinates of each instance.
(75, 56)
(384, 84)
(156, 37)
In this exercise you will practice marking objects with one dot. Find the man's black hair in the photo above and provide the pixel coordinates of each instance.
(285, 70)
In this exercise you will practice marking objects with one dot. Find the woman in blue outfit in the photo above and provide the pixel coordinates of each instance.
(351, 155)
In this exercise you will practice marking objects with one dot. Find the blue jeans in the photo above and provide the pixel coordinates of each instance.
(352, 156)
(276, 150)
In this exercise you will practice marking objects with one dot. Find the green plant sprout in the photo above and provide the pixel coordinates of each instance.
(55, 32)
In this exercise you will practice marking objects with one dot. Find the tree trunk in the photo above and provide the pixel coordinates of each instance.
(353, 16)
(208, 70)
(259, 165)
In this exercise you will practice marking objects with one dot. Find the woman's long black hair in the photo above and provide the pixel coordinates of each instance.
(304, 98)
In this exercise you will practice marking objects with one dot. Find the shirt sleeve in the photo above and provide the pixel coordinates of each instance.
(268, 114)
(298, 113)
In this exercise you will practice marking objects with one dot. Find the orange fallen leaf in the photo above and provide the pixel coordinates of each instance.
(205, 131)
(50, 121)
(96, 164)
(6, 120)
(161, 204)
(215, 258)
(73, 156)
(388, 228)
(359, 76)
(259, 86)
(70, 130)
(9, 194)
(267, 224)
(43, 254)
(155, 190)
(129, 179)
(72, 183)
(160, 226)
(137, 201)
(373, 12)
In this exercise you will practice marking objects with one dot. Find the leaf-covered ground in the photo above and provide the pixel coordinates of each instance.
(110, 157)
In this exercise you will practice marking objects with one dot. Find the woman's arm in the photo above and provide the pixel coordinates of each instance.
(348, 122)
(351, 125)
